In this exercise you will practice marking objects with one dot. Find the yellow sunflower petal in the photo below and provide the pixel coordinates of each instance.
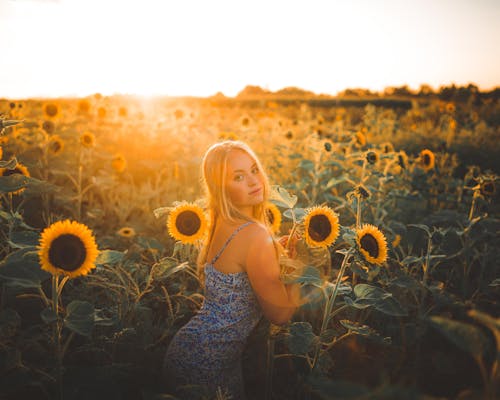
(18, 169)
(427, 159)
(321, 225)
(372, 244)
(67, 248)
(273, 217)
(187, 223)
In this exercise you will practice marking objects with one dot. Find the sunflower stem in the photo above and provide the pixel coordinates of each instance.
(269, 367)
(57, 333)
(329, 305)
(472, 206)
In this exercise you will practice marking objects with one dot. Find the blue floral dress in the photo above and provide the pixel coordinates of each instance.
(207, 350)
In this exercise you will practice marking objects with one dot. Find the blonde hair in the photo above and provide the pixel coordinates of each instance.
(214, 171)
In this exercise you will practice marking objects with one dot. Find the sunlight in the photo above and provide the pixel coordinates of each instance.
(199, 48)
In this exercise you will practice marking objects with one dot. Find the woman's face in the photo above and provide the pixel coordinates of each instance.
(245, 183)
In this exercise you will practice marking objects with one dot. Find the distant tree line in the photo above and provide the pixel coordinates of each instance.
(446, 93)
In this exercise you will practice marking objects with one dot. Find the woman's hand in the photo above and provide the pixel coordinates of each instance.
(290, 245)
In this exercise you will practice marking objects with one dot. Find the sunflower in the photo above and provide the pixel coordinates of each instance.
(487, 187)
(67, 248)
(187, 223)
(56, 145)
(84, 106)
(361, 191)
(18, 169)
(327, 145)
(87, 139)
(101, 112)
(51, 110)
(372, 157)
(119, 163)
(427, 159)
(321, 225)
(123, 111)
(372, 244)
(126, 232)
(48, 126)
(273, 217)
(1, 152)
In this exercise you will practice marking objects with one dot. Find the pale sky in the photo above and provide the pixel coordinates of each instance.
(200, 47)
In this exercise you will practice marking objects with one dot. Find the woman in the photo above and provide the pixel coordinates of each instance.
(242, 275)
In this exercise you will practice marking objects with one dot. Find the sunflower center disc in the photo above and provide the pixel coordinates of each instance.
(188, 223)
(319, 228)
(369, 244)
(270, 216)
(67, 252)
(427, 159)
(12, 172)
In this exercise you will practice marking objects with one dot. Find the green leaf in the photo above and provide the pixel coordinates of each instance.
(109, 257)
(150, 243)
(168, 266)
(383, 301)
(159, 212)
(48, 315)
(10, 321)
(281, 197)
(391, 306)
(10, 164)
(423, 227)
(80, 317)
(354, 303)
(308, 165)
(409, 260)
(466, 336)
(21, 269)
(302, 338)
(24, 239)
(310, 276)
(12, 183)
(369, 292)
(335, 181)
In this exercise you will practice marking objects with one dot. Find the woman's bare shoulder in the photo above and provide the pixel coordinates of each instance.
(256, 233)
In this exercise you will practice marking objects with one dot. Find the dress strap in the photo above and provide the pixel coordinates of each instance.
(239, 228)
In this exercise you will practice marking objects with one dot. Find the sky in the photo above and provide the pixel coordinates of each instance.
(52, 48)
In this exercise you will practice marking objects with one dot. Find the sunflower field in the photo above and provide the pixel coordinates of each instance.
(392, 209)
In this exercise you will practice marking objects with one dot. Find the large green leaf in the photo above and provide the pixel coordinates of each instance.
(80, 317)
(109, 257)
(21, 269)
(466, 336)
(302, 338)
(10, 321)
(380, 299)
(282, 198)
(20, 239)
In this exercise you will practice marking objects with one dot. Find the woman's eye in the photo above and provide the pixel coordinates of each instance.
(255, 170)
(238, 177)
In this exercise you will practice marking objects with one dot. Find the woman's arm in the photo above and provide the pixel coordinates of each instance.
(278, 301)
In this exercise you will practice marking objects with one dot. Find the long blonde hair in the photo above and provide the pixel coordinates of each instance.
(214, 171)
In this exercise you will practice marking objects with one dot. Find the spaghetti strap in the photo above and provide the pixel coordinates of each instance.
(239, 228)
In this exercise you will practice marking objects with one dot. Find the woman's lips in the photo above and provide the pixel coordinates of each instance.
(256, 191)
